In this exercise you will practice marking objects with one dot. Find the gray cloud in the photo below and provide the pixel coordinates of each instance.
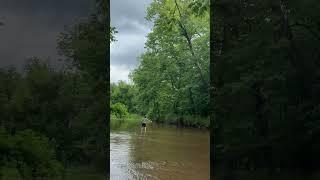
(127, 49)
(31, 27)
(129, 19)
(129, 9)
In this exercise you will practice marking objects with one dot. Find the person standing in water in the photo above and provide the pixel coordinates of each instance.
(144, 124)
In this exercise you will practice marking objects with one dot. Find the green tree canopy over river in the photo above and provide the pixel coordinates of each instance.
(171, 81)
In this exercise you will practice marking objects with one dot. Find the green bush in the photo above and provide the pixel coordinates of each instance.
(30, 153)
(119, 110)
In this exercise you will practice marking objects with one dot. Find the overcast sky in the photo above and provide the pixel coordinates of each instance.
(128, 17)
(31, 27)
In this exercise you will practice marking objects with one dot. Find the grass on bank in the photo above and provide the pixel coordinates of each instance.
(132, 121)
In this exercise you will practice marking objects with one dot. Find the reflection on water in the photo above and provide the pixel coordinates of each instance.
(161, 153)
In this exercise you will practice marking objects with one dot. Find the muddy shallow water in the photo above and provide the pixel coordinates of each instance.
(160, 153)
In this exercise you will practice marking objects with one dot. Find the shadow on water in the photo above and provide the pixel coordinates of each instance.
(163, 152)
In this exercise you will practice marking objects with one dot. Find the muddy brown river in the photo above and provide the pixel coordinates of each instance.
(162, 153)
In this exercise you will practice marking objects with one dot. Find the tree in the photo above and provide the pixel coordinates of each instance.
(85, 46)
(124, 93)
(173, 74)
(60, 105)
(262, 81)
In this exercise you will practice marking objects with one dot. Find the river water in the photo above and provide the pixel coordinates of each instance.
(160, 153)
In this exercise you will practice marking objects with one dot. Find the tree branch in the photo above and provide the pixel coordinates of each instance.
(187, 36)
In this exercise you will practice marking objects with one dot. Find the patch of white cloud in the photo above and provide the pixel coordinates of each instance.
(119, 72)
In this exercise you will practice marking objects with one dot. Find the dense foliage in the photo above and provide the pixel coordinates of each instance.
(30, 153)
(119, 110)
(54, 119)
(124, 93)
(266, 85)
(172, 79)
(55, 104)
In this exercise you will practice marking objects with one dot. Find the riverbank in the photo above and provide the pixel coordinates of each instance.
(128, 122)
(193, 121)
(133, 120)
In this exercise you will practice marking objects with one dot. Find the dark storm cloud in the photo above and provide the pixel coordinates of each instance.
(31, 27)
(129, 19)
